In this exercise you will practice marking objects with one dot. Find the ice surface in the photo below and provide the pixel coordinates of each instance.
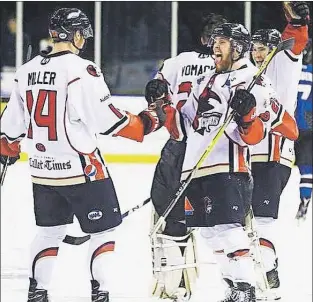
(133, 265)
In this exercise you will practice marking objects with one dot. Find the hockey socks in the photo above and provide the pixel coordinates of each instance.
(306, 181)
(101, 257)
(44, 250)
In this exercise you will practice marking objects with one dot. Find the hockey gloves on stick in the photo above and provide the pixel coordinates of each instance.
(9, 150)
(244, 103)
(297, 13)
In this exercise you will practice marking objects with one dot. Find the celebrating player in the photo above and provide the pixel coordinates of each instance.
(273, 157)
(176, 78)
(59, 104)
(219, 195)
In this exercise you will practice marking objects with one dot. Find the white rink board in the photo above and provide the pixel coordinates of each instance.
(133, 267)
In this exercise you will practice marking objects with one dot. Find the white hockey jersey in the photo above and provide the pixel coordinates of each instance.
(284, 71)
(211, 106)
(59, 104)
(182, 74)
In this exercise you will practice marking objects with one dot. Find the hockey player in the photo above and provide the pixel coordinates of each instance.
(219, 195)
(176, 78)
(303, 146)
(273, 157)
(60, 104)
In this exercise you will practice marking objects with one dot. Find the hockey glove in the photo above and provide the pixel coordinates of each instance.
(297, 13)
(244, 103)
(157, 89)
(9, 150)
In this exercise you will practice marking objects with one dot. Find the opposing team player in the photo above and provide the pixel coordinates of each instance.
(59, 104)
(303, 146)
(176, 78)
(273, 157)
(219, 195)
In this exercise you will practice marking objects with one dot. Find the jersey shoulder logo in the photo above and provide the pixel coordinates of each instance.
(93, 70)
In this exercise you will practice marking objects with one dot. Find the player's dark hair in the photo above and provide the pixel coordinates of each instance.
(208, 23)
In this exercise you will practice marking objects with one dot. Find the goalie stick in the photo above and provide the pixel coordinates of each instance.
(284, 45)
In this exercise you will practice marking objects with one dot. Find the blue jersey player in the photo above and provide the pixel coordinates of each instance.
(303, 146)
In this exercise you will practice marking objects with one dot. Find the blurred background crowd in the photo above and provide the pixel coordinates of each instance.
(135, 37)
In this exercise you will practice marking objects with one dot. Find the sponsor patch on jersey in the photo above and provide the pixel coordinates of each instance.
(188, 207)
(106, 97)
(95, 215)
(90, 170)
(93, 70)
(40, 147)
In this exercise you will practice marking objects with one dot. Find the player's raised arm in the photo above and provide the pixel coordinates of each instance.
(298, 16)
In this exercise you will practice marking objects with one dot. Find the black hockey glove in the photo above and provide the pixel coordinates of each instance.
(243, 102)
(157, 89)
(12, 160)
(297, 13)
(157, 96)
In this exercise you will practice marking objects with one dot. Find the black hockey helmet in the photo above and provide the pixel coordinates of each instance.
(238, 35)
(268, 37)
(66, 21)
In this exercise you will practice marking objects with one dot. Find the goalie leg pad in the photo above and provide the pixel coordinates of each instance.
(174, 272)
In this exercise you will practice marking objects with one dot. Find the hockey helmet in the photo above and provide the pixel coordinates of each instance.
(268, 37)
(66, 21)
(238, 35)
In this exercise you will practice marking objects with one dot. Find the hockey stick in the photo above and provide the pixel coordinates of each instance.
(80, 240)
(284, 45)
(4, 171)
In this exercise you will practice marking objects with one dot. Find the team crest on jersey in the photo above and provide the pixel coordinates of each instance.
(207, 120)
(90, 170)
(94, 70)
(188, 207)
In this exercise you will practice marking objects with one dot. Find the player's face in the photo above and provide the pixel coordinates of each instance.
(259, 53)
(222, 53)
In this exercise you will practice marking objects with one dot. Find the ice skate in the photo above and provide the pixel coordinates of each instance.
(35, 294)
(98, 295)
(303, 209)
(241, 292)
(274, 283)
